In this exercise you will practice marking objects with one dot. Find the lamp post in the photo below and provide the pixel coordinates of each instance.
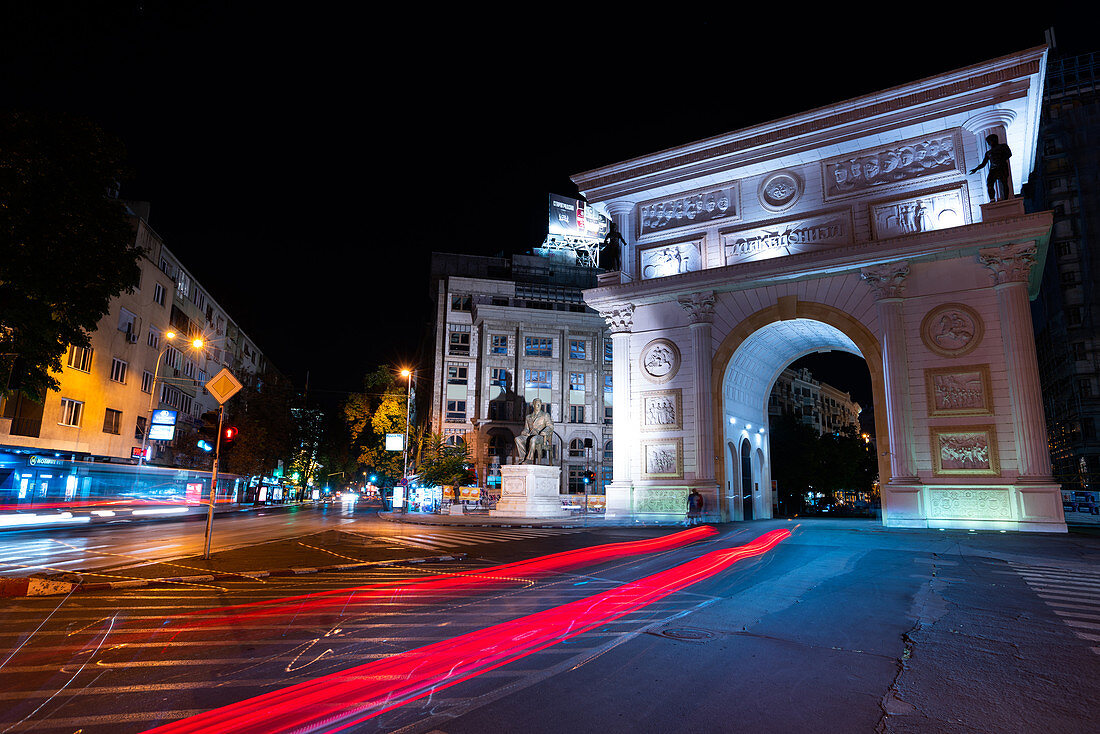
(408, 375)
(195, 344)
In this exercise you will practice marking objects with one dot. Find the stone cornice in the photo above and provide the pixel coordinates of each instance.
(947, 243)
(997, 75)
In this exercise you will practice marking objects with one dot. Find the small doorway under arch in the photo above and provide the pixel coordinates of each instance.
(746, 480)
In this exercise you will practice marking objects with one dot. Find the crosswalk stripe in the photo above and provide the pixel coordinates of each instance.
(1073, 596)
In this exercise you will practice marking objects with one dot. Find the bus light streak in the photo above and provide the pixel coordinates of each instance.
(339, 701)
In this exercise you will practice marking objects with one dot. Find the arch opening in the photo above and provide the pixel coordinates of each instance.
(754, 365)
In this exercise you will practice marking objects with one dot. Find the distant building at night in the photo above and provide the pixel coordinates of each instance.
(815, 403)
(1067, 312)
(102, 410)
(509, 330)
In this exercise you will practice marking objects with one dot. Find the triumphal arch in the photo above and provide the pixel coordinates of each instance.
(855, 227)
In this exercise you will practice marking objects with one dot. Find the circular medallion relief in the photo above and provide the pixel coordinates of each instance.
(951, 329)
(660, 360)
(780, 190)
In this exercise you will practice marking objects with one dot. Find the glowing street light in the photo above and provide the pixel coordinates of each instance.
(408, 375)
(196, 343)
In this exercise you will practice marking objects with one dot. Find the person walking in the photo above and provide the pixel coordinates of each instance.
(695, 504)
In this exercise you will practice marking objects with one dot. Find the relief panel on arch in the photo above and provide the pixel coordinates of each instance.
(660, 261)
(893, 165)
(926, 213)
(682, 210)
(824, 231)
(662, 410)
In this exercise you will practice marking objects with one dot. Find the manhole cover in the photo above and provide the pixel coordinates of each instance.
(686, 634)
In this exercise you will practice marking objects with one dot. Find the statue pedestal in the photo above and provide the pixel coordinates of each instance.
(530, 490)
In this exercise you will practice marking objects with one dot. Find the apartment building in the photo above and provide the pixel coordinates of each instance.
(108, 391)
(817, 404)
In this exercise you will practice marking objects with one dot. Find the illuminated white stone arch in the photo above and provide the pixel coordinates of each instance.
(746, 385)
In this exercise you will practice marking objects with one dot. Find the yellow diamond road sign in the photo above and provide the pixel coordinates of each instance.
(223, 385)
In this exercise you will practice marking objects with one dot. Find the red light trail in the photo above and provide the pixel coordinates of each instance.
(341, 700)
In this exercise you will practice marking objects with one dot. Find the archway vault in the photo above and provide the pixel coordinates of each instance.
(753, 353)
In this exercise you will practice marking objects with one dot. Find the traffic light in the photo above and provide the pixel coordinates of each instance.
(229, 434)
(208, 430)
(589, 477)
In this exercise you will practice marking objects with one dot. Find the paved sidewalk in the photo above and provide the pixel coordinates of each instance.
(486, 521)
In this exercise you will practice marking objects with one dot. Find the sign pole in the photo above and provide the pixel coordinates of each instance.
(213, 485)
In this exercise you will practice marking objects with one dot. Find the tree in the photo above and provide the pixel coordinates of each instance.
(371, 414)
(443, 465)
(267, 431)
(66, 247)
(802, 459)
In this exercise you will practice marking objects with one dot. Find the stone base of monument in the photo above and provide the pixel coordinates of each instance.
(530, 490)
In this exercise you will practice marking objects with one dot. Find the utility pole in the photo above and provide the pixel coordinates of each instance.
(213, 485)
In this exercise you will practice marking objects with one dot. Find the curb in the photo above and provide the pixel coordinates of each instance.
(31, 586)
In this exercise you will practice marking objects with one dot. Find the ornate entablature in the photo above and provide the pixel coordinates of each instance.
(807, 234)
(899, 163)
(696, 207)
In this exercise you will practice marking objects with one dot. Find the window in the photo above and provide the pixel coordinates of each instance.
(576, 448)
(499, 344)
(153, 339)
(158, 294)
(537, 346)
(607, 413)
(459, 342)
(80, 358)
(139, 428)
(173, 358)
(1073, 316)
(112, 421)
(1079, 351)
(576, 380)
(577, 349)
(118, 370)
(498, 376)
(71, 412)
(606, 475)
(189, 368)
(456, 410)
(461, 303)
(147, 382)
(127, 322)
(576, 479)
(500, 410)
(608, 350)
(1085, 387)
(536, 379)
(608, 454)
(457, 373)
(576, 414)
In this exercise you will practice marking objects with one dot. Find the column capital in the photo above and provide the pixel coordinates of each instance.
(1009, 263)
(619, 318)
(988, 119)
(887, 281)
(699, 307)
(619, 207)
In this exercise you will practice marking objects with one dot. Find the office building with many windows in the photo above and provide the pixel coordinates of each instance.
(509, 330)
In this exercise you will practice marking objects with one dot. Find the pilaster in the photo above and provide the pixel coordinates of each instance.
(620, 494)
(700, 312)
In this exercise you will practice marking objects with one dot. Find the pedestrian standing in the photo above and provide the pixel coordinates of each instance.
(695, 507)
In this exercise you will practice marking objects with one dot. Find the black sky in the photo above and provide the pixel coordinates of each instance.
(304, 162)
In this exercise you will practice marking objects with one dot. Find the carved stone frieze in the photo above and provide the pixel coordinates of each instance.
(661, 261)
(780, 190)
(969, 504)
(660, 360)
(952, 329)
(964, 450)
(926, 213)
(807, 234)
(662, 458)
(704, 205)
(1010, 263)
(908, 160)
(662, 410)
(660, 501)
(959, 390)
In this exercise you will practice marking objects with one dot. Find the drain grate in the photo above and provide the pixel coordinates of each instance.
(686, 634)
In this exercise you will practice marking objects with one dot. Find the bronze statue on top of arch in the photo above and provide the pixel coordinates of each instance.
(998, 178)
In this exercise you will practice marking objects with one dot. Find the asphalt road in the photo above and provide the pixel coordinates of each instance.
(840, 627)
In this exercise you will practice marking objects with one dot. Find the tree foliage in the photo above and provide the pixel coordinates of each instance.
(803, 461)
(379, 409)
(443, 465)
(66, 247)
(268, 432)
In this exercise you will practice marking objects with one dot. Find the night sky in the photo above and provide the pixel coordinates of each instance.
(304, 162)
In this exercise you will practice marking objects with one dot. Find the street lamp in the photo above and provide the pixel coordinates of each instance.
(408, 375)
(196, 343)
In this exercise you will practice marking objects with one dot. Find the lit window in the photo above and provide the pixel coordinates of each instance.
(536, 379)
(607, 351)
(498, 376)
(457, 373)
(80, 358)
(499, 344)
(71, 412)
(576, 380)
(118, 371)
(578, 349)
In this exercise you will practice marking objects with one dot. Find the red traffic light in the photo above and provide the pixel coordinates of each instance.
(229, 434)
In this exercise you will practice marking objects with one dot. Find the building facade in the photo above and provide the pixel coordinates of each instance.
(508, 331)
(101, 412)
(855, 227)
(1066, 314)
(817, 404)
